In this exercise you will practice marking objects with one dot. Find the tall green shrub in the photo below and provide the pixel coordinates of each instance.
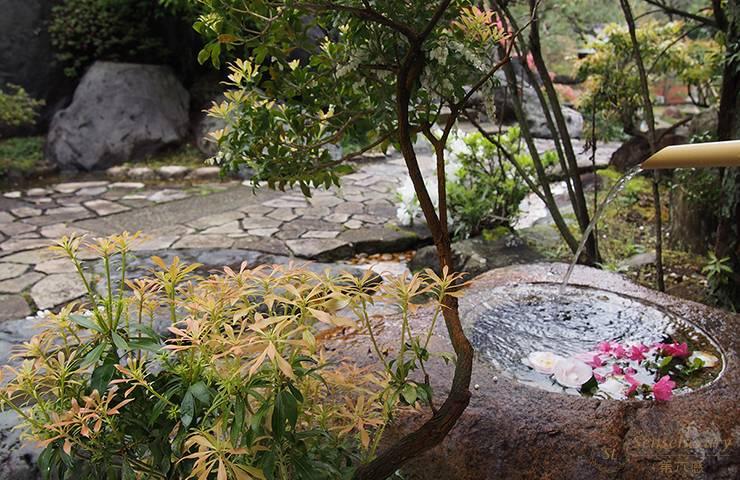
(83, 31)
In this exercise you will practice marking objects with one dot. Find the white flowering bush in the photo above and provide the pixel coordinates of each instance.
(483, 189)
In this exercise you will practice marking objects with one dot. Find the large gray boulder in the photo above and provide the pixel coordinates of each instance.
(533, 112)
(120, 112)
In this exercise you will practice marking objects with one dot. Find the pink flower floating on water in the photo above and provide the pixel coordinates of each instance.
(592, 360)
(663, 389)
(623, 370)
(605, 347)
(678, 350)
(634, 384)
(637, 352)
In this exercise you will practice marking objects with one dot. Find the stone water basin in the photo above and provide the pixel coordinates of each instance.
(516, 429)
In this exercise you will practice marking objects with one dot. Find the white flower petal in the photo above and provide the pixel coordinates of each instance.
(571, 372)
(706, 357)
(544, 362)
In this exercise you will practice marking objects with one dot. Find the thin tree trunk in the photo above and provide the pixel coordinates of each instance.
(537, 161)
(650, 120)
(561, 134)
(436, 428)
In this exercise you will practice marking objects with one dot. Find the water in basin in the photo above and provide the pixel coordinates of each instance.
(510, 322)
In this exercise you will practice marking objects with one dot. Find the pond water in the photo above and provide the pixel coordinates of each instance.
(511, 322)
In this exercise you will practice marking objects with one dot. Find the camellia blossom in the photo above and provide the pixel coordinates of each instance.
(571, 372)
(544, 362)
(663, 388)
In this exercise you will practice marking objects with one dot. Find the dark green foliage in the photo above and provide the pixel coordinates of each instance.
(83, 31)
(20, 155)
(17, 108)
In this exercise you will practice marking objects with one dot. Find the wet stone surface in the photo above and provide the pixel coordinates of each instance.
(515, 431)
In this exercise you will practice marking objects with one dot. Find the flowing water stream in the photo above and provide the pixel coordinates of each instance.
(610, 196)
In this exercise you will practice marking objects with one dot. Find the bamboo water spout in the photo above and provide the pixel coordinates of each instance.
(696, 155)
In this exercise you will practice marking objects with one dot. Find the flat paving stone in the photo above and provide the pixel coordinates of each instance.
(260, 244)
(14, 245)
(142, 173)
(257, 209)
(105, 207)
(320, 249)
(17, 285)
(159, 242)
(251, 223)
(57, 289)
(16, 228)
(92, 191)
(127, 185)
(37, 192)
(11, 270)
(227, 228)
(353, 224)
(283, 214)
(14, 307)
(24, 212)
(72, 187)
(167, 196)
(58, 230)
(349, 207)
(60, 265)
(286, 203)
(337, 217)
(31, 257)
(320, 234)
(262, 232)
(170, 172)
(204, 241)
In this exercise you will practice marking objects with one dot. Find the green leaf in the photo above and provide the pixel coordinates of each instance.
(119, 342)
(200, 391)
(203, 55)
(93, 356)
(278, 417)
(86, 322)
(665, 362)
(44, 462)
(187, 409)
(409, 393)
(102, 376)
(156, 411)
(237, 425)
(290, 406)
(148, 344)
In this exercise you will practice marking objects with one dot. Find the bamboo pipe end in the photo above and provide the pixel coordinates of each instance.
(697, 155)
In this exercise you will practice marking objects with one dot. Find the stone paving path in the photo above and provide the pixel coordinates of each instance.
(210, 217)
(204, 218)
